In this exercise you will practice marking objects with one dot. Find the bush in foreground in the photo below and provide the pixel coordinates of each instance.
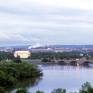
(2, 90)
(11, 72)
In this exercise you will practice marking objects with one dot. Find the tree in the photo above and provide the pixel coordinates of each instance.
(39, 91)
(21, 90)
(86, 88)
(17, 59)
(2, 90)
(59, 90)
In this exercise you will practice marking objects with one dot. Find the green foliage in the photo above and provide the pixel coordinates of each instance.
(11, 72)
(21, 90)
(6, 55)
(59, 90)
(2, 90)
(45, 60)
(39, 91)
(58, 55)
(17, 59)
(86, 88)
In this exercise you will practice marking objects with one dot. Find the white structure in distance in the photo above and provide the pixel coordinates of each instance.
(22, 54)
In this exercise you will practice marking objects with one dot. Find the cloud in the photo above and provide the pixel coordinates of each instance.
(76, 4)
(46, 21)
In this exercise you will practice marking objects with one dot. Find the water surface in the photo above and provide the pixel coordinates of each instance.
(67, 77)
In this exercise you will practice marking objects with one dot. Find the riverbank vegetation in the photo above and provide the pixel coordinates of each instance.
(6, 55)
(61, 55)
(11, 73)
(56, 55)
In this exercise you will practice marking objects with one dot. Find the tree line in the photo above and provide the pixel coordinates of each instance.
(56, 55)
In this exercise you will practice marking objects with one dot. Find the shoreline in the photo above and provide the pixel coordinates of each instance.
(62, 63)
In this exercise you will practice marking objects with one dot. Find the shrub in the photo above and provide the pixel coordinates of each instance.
(2, 90)
(11, 72)
(39, 91)
(21, 90)
(59, 90)
(86, 88)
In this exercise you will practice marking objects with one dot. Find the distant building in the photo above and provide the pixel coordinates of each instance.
(22, 54)
(36, 50)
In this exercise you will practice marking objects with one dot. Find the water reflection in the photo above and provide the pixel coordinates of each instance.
(68, 77)
(25, 84)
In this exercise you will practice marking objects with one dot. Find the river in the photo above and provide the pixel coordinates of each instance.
(66, 77)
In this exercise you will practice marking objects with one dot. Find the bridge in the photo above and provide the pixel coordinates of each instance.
(77, 62)
(74, 62)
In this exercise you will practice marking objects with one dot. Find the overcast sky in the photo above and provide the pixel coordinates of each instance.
(46, 22)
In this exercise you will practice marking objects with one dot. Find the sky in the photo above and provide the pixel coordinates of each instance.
(46, 22)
